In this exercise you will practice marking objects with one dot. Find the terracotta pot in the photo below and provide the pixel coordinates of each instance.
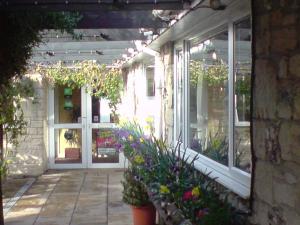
(144, 215)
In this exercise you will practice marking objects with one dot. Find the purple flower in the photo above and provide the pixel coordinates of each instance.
(134, 145)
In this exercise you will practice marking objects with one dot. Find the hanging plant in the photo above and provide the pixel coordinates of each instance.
(98, 80)
(215, 74)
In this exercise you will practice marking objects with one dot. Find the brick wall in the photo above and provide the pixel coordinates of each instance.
(276, 112)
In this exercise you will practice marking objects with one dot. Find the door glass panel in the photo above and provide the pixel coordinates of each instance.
(68, 144)
(101, 113)
(67, 104)
(103, 146)
(242, 88)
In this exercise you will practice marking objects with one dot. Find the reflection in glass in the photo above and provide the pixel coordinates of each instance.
(101, 112)
(67, 145)
(103, 146)
(242, 78)
(208, 71)
(67, 104)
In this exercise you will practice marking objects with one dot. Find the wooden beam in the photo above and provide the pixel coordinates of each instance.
(120, 19)
(92, 5)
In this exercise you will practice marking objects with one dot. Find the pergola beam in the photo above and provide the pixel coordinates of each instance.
(92, 5)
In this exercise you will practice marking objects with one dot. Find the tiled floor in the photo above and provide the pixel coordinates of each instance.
(73, 197)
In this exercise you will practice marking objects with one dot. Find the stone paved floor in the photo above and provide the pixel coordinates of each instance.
(73, 197)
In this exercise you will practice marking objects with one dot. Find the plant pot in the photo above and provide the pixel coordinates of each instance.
(144, 215)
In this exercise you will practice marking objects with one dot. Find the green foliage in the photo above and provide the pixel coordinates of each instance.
(169, 174)
(134, 192)
(214, 75)
(23, 32)
(11, 113)
(99, 80)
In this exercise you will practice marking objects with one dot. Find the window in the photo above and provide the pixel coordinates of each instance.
(212, 102)
(150, 81)
(208, 98)
(242, 82)
(178, 95)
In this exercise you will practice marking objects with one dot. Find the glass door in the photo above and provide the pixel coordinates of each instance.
(67, 123)
(100, 136)
(81, 131)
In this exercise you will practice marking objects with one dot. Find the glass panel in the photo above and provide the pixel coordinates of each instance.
(67, 104)
(179, 100)
(150, 81)
(103, 150)
(67, 146)
(101, 113)
(242, 77)
(208, 70)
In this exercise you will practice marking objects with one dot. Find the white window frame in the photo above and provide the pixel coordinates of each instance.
(230, 176)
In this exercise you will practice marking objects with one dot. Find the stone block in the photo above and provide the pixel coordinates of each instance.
(283, 67)
(292, 217)
(36, 123)
(284, 40)
(259, 137)
(265, 90)
(294, 65)
(263, 183)
(296, 103)
(260, 212)
(285, 193)
(289, 140)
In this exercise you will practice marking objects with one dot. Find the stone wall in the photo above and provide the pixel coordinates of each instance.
(276, 112)
(166, 57)
(30, 156)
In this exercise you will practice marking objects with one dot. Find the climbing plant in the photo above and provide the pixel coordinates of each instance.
(11, 113)
(99, 80)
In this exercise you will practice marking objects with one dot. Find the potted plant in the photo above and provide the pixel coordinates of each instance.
(135, 194)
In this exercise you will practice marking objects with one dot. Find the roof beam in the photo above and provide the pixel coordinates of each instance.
(92, 5)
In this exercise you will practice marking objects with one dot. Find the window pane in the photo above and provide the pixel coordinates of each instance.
(242, 77)
(179, 100)
(150, 81)
(67, 104)
(208, 70)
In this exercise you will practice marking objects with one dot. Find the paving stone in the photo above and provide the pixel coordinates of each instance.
(73, 197)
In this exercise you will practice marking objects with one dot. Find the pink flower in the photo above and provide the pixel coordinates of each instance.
(187, 195)
(202, 212)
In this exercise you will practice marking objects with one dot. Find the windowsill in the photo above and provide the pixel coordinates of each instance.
(233, 178)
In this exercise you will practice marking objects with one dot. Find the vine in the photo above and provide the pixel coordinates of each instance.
(99, 80)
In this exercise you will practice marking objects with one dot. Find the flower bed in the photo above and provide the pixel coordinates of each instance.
(180, 195)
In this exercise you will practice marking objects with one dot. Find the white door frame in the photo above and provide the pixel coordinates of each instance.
(86, 127)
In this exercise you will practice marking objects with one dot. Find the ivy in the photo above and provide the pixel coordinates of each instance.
(98, 80)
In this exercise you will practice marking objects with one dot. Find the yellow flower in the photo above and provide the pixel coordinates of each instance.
(196, 192)
(130, 138)
(164, 189)
(141, 140)
(139, 159)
